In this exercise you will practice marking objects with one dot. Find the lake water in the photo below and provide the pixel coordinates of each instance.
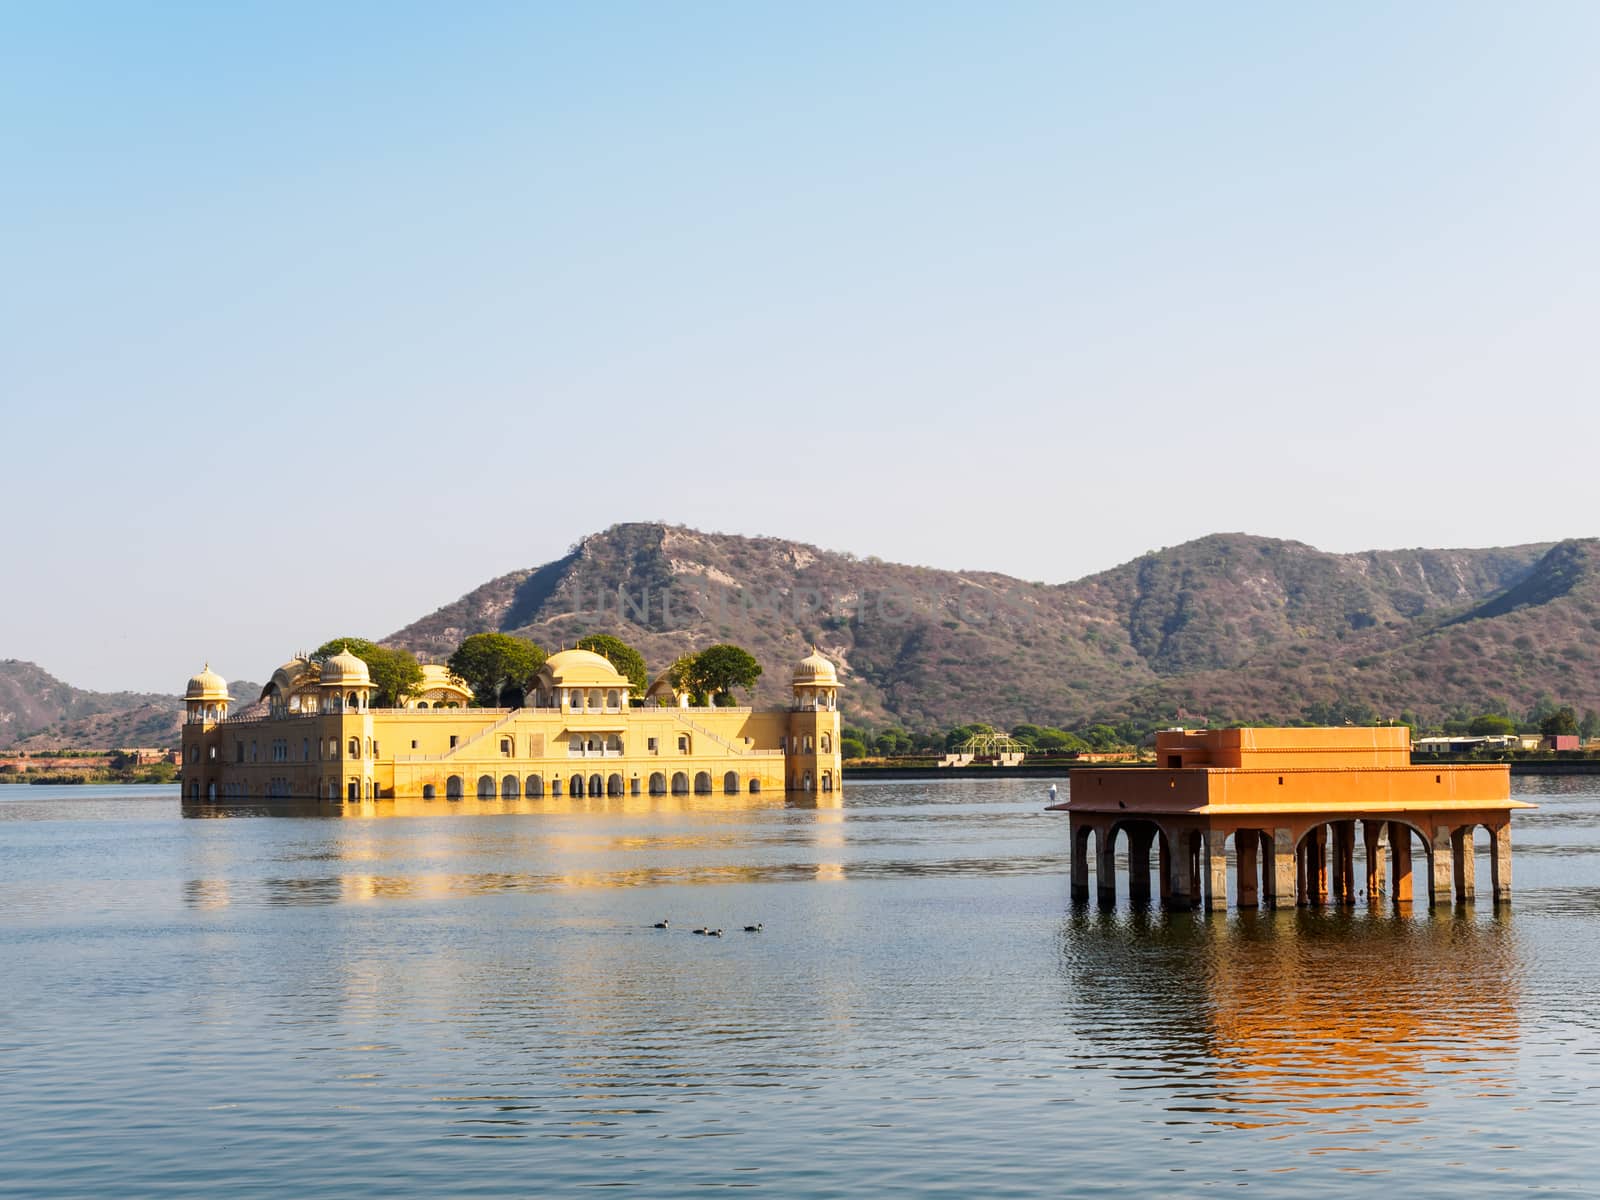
(469, 999)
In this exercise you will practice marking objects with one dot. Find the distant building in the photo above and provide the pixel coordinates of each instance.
(1560, 741)
(1465, 744)
(314, 734)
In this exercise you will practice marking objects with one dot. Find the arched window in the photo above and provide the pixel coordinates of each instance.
(422, 704)
(535, 788)
(611, 699)
(730, 783)
(827, 744)
(827, 781)
(658, 784)
(755, 786)
(355, 747)
(452, 788)
(614, 744)
(485, 787)
(427, 791)
(351, 701)
(680, 784)
(510, 788)
(702, 783)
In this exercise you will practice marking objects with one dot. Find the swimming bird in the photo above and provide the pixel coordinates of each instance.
(714, 933)
(756, 928)
(702, 929)
(662, 924)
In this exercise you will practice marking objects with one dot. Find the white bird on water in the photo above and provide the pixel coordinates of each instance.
(1052, 793)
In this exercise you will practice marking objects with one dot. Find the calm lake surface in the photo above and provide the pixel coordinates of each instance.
(468, 999)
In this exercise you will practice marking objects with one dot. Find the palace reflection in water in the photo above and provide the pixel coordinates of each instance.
(476, 990)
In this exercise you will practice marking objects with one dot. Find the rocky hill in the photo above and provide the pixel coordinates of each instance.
(1229, 627)
(1226, 628)
(40, 712)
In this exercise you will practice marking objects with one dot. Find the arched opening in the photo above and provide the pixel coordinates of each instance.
(575, 787)
(827, 744)
(353, 790)
(597, 786)
(613, 701)
(658, 784)
(211, 791)
(427, 791)
(730, 783)
(680, 784)
(351, 701)
(754, 787)
(614, 785)
(355, 747)
(535, 789)
(510, 788)
(422, 704)
(194, 790)
(827, 781)
(452, 788)
(485, 787)
(702, 783)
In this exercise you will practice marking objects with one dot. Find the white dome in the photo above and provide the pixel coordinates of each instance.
(346, 670)
(207, 685)
(815, 670)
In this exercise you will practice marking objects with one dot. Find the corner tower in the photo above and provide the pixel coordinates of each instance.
(813, 744)
(205, 704)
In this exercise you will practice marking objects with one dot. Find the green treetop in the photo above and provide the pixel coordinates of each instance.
(621, 656)
(497, 666)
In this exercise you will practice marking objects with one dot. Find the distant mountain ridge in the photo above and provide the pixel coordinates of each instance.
(40, 712)
(1228, 627)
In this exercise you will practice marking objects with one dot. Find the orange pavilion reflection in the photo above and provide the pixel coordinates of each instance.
(1274, 1023)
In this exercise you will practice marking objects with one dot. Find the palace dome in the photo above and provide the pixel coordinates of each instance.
(346, 670)
(814, 669)
(581, 668)
(207, 685)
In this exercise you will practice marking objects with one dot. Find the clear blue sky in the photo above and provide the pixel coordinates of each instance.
(316, 316)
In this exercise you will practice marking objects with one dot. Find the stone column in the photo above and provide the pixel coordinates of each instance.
(1245, 844)
(1465, 862)
(1302, 873)
(1164, 868)
(1400, 844)
(1319, 879)
(1079, 831)
(1500, 862)
(1182, 874)
(1371, 832)
(1442, 862)
(1280, 845)
(1216, 875)
(1345, 833)
(1105, 863)
(1139, 862)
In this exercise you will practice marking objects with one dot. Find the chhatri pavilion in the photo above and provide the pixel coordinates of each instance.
(315, 734)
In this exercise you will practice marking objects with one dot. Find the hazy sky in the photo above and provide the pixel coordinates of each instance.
(315, 317)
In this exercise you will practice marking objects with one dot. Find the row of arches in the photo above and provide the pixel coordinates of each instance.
(577, 786)
(1314, 864)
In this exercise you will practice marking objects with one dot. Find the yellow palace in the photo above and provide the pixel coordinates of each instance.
(314, 734)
